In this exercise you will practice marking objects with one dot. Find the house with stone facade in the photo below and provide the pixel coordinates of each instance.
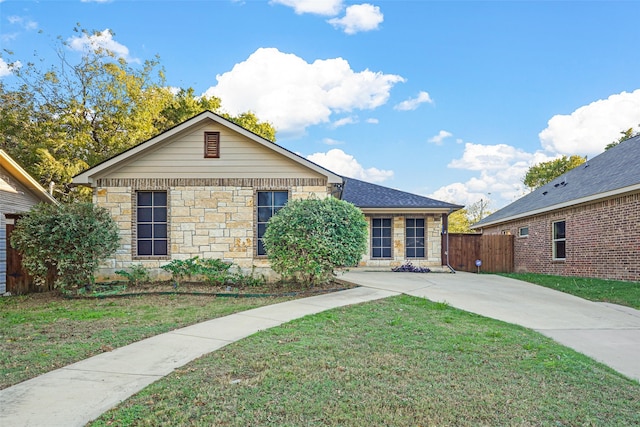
(18, 193)
(208, 187)
(583, 223)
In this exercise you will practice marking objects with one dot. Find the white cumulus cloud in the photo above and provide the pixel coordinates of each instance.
(6, 69)
(292, 94)
(440, 137)
(501, 169)
(318, 7)
(100, 40)
(590, 128)
(358, 18)
(413, 103)
(25, 23)
(345, 164)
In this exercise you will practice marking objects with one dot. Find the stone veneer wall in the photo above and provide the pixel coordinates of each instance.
(603, 240)
(210, 218)
(433, 227)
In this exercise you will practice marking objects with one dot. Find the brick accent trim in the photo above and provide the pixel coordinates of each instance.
(165, 183)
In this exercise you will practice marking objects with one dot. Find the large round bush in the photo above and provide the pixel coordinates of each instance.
(71, 240)
(308, 239)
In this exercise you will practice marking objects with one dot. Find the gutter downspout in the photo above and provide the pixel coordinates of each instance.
(445, 230)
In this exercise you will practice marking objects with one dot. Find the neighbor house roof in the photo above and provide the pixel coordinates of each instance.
(372, 197)
(88, 176)
(614, 172)
(16, 171)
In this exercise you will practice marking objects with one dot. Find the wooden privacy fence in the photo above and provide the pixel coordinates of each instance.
(494, 250)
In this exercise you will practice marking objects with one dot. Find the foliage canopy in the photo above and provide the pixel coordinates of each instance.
(542, 173)
(308, 239)
(61, 120)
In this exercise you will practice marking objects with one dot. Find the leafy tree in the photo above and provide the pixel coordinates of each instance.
(61, 120)
(308, 239)
(69, 239)
(626, 134)
(542, 173)
(461, 220)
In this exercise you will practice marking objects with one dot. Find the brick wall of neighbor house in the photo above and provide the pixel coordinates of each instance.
(212, 220)
(433, 227)
(603, 240)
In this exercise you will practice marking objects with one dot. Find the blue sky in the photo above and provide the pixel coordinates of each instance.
(448, 99)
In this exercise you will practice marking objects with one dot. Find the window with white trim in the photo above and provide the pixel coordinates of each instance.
(523, 231)
(559, 240)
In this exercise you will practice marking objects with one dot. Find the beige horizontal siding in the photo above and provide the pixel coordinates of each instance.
(183, 157)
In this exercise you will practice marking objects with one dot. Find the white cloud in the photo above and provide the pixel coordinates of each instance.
(359, 17)
(7, 69)
(480, 157)
(590, 128)
(25, 23)
(331, 141)
(345, 164)
(292, 94)
(344, 121)
(373, 121)
(413, 103)
(439, 138)
(318, 7)
(100, 40)
(502, 168)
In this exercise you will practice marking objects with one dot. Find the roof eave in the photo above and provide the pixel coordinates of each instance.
(569, 203)
(25, 179)
(387, 210)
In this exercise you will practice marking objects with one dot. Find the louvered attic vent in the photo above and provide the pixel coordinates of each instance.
(212, 144)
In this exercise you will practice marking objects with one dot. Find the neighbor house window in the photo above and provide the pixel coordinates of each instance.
(523, 231)
(212, 144)
(381, 238)
(414, 232)
(559, 240)
(151, 223)
(269, 202)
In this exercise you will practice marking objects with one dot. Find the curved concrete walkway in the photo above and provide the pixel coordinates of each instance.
(607, 333)
(79, 393)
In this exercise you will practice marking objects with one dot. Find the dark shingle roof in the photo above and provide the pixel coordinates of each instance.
(615, 169)
(366, 195)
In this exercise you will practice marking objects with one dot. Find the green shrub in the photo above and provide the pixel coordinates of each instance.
(308, 239)
(211, 270)
(70, 240)
(136, 274)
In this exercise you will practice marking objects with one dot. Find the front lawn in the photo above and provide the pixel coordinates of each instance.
(613, 291)
(402, 361)
(43, 332)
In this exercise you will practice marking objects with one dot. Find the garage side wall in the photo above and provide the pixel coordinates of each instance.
(602, 240)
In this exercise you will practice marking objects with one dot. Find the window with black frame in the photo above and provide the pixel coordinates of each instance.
(414, 238)
(268, 203)
(381, 238)
(151, 223)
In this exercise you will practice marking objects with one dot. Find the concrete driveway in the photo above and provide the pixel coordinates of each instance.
(606, 332)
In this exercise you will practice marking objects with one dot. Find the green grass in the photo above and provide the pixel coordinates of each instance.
(43, 332)
(613, 291)
(402, 361)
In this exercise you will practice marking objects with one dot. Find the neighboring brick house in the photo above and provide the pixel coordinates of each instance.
(583, 223)
(18, 193)
(207, 188)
